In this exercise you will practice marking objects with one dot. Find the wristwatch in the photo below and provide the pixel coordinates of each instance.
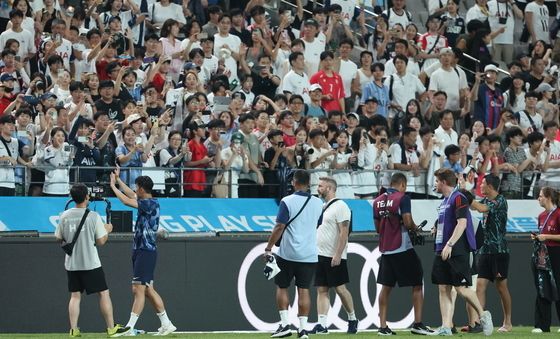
(268, 250)
(450, 243)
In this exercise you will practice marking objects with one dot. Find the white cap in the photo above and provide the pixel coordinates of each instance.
(446, 50)
(491, 67)
(544, 87)
(132, 118)
(314, 87)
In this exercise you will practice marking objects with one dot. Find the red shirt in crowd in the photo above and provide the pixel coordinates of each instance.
(196, 179)
(330, 85)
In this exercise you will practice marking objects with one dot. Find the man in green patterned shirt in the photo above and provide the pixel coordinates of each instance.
(493, 256)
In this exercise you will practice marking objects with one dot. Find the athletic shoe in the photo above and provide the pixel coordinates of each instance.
(453, 330)
(302, 334)
(442, 331)
(282, 332)
(536, 331)
(477, 328)
(420, 328)
(117, 331)
(165, 330)
(319, 329)
(486, 322)
(352, 327)
(385, 331)
(134, 332)
(75, 333)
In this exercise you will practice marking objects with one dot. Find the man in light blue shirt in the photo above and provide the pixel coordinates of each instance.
(377, 89)
(296, 226)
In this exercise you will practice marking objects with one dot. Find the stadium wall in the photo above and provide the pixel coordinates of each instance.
(216, 284)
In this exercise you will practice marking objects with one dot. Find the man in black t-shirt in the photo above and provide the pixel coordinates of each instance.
(107, 103)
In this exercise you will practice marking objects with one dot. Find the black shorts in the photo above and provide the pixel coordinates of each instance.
(92, 281)
(302, 271)
(328, 276)
(493, 266)
(455, 271)
(143, 267)
(403, 268)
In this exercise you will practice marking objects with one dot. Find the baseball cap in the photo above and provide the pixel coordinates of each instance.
(48, 95)
(189, 65)
(446, 50)
(353, 115)
(315, 87)
(311, 22)
(491, 68)
(544, 87)
(6, 77)
(133, 118)
(374, 99)
(237, 137)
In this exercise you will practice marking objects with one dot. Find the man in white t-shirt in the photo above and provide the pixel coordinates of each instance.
(314, 45)
(406, 160)
(503, 14)
(83, 266)
(445, 134)
(320, 160)
(448, 79)
(397, 14)
(403, 86)
(537, 21)
(332, 245)
(401, 47)
(296, 80)
(64, 46)
(25, 38)
(226, 46)
(347, 70)
(347, 9)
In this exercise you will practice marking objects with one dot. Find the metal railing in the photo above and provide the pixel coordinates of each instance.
(275, 186)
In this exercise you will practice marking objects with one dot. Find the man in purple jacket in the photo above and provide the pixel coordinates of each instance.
(454, 240)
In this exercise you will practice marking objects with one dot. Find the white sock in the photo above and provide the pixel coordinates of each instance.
(163, 318)
(302, 323)
(284, 318)
(323, 320)
(133, 319)
(351, 315)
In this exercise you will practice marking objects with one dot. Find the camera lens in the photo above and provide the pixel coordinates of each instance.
(310, 151)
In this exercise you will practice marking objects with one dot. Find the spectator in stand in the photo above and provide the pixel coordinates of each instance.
(547, 109)
(56, 158)
(405, 158)
(488, 97)
(403, 87)
(537, 19)
(454, 159)
(540, 156)
(296, 80)
(445, 134)
(195, 180)
(286, 124)
(371, 159)
(377, 90)
(173, 156)
(314, 45)
(514, 96)
(484, 162)
(431, 42)
(280, 160)
(9, 155)
(453, 23)
(517, 161)
(479, 11)
(248, 181)
(331, 83)
(234, 158)
(87, 153)
(528, 119)
(163, 10)
(402, 47)
(397, 14)
(341, 165)
(364, 74)
(347, 70)
(133, 153)
(320, 159)
(536, 75)
(25, 38)
(448, 79)
(108, 103)
(502, 13)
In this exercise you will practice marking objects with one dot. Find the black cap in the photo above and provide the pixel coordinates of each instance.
(311, 22)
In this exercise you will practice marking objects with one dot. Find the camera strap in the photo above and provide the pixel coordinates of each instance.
(75, 238)
(535, 129)
(7, 146)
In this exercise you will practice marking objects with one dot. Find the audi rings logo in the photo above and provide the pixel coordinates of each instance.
(370, 268)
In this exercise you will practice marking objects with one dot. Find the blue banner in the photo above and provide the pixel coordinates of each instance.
(227, 215)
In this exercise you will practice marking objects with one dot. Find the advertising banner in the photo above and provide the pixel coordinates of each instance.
(229, 215)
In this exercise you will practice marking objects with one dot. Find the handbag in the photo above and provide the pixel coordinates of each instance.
(68, 247)
(220, 189)
(290, 221)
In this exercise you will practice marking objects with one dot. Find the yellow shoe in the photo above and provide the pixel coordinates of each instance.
(75, 333)
(117, 331)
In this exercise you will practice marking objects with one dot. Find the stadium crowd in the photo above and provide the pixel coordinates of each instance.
(242, 96)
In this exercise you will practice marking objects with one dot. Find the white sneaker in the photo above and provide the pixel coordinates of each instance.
(165, 330)
(486, 322)
(536, 330)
